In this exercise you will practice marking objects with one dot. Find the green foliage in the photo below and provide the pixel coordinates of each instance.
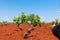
(31, 18)
(43, 22)
(53, 22)
(16, 19)
(27, 19)
(36, 20)
(4, 22)
(23, 18)
(56, 21)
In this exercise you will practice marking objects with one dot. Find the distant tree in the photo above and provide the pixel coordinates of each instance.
(56, 21)
(43, 22)
(4, 22)
(53, 22)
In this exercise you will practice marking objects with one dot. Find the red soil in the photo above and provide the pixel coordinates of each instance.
(11, 32)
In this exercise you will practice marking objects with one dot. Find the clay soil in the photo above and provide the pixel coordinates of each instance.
(12, 32)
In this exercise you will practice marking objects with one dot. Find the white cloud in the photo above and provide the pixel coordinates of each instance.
(43, 18)
(46, 19)
(5, 18)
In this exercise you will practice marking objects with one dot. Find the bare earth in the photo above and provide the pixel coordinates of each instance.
(11, 32)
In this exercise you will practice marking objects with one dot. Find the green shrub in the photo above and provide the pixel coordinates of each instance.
(37, 20)
(23, 18)
(17, 20)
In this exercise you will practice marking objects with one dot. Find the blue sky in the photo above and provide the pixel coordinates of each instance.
(48, 10)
